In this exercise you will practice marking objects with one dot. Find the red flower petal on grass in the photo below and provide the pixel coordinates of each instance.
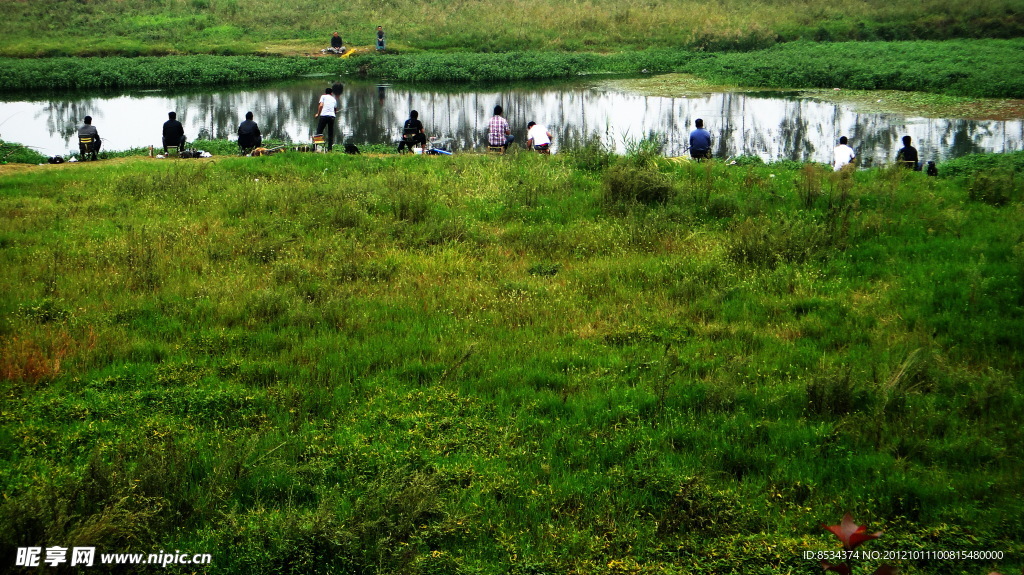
(850, 533)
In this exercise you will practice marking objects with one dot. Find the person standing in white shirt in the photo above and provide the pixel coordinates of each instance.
(538, 137)
(326, 111)
(842, 155)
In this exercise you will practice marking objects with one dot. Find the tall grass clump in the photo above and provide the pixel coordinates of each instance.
(627, 183)
(997, 189)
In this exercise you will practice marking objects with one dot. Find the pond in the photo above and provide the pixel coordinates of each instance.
(771, 125)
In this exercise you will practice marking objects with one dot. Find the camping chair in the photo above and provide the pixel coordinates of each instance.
(319, 141)
(412, 137)
(85, 147)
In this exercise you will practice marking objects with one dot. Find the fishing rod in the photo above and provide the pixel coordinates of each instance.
(11, 116)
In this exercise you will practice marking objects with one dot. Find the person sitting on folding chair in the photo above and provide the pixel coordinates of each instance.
(88, 139)
(174, 133)
(412, 133)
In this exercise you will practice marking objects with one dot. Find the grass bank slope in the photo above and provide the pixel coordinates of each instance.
(315, 363)
(113, 27)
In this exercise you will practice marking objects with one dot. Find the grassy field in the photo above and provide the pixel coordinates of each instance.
(316, 363)
(114, 27)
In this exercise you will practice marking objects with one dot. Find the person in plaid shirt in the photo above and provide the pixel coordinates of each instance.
(498, 132)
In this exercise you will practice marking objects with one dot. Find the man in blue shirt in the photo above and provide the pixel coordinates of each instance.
(700, 142)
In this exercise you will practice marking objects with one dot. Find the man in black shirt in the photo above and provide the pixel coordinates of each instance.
(412, 132)
(907, 156)
(249, 136)
(174, 133)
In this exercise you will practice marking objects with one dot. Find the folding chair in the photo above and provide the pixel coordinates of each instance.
(85, 147)
(319, 141)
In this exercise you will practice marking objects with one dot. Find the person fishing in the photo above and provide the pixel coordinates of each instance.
(88, 139)
(907, 156)
(700, 141)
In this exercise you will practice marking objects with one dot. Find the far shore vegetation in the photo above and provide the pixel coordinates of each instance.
(964, 68)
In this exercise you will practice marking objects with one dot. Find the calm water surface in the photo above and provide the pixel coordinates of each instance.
(770, 125)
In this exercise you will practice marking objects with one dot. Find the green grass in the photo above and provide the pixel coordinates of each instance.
(317, 363)
(963, 68)
(110, 27)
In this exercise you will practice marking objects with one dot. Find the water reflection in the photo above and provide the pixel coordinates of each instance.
(770, 125)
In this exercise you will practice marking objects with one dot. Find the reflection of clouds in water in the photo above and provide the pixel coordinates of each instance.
(776, 127)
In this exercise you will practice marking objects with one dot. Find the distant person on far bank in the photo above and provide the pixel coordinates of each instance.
(499, 134)
(380, 38)
(907, 156)
(842, 155)
(326, 110)
(337, 46)
(700, 141)
(538, 138)
(249, 136)
(174, 133)
(88, 139)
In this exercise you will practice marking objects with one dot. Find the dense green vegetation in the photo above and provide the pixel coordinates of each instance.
(316, 363)
(114, 27)
(14, 153)
(977, 68)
